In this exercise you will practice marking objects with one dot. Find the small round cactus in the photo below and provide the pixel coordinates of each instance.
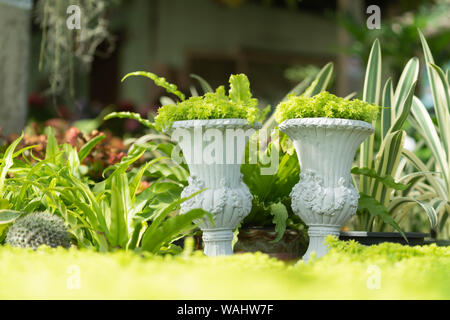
(39, 228)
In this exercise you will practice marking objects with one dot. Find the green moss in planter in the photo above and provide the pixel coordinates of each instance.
(238, 103)
(325, 105)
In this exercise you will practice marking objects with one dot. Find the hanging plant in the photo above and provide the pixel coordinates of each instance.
(66, 51)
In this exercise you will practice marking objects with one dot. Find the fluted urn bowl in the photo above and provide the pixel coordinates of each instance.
(214, 150)
(325, 198)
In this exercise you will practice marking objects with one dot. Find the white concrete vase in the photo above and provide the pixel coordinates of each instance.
(324, 198)
(226, 196)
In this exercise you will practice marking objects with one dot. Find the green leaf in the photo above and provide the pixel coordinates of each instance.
(170, 229)
(280, 216)
(387, 180)
(386, 163)
(372, 82)
(159, 81)
(87, 148)
(203, 83)
(321, 81)
(161, 215)
(131, 115)
(371, 94)
(240, 90)
(429, 210)
(8, 216)
(134, 154)
(405, 108)
(408, 79)
(300, 87)
(439, 89)
(386, 111)
(120, 203)
(376, 209)
(7, 162)
(52, 145)
(431, 136)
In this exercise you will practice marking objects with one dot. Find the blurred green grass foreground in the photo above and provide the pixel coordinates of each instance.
(348, 271)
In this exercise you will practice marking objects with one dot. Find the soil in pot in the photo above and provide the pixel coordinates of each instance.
(372, 238)
(291, 247)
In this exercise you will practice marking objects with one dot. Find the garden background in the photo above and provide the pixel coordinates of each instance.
(113, 184)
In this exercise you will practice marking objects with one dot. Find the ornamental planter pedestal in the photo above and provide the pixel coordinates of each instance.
(325, 198)
(213, 150)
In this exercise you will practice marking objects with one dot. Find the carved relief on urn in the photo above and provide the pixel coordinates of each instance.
(325, 198)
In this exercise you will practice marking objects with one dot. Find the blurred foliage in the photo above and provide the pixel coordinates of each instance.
(67, 52)
(125, 209)
(109, 151)
(300, 73)
(399, 33)
(348, 271)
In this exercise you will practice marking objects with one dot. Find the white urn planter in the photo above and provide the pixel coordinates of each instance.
(324, 198)
(214, 158)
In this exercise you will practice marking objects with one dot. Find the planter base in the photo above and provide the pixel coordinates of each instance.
(218, 242)
(317, 235)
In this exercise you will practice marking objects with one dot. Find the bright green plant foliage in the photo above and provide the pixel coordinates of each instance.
(436, 136)
(381, 169)
(348, 271)
(325, 105)
(238, 103)
(388, 181)
(159, 81)
(130, 115)
(280, 216)
(107, 215)
(213, 105)
(271, 205)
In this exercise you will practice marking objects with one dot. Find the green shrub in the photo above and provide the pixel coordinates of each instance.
(106, 215)
(325, 105)
(213, 105)
(349, 271)
(238, 104)
(36, 229)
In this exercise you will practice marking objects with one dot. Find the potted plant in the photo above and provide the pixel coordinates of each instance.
(326, 131)
(388, 190)
(212, 131)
